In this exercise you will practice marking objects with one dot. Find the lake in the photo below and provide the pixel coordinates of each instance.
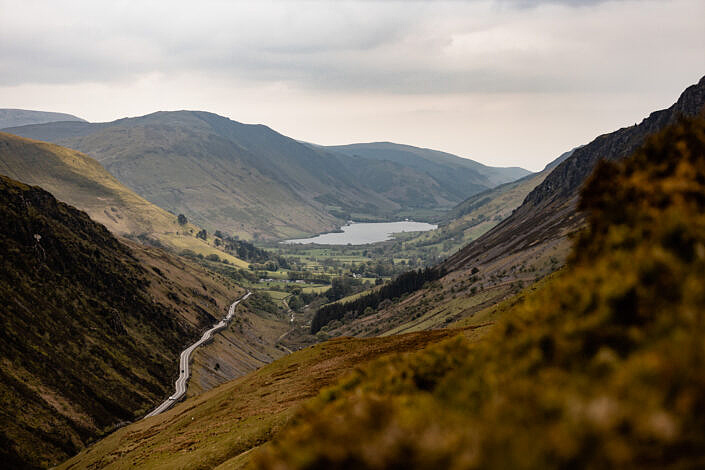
(364, 233)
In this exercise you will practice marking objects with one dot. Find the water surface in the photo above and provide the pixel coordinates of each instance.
(362, 233)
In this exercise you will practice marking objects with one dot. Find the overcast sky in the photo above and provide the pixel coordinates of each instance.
(504, 82)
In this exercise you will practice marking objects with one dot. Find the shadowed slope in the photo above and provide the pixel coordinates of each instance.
(91, 328)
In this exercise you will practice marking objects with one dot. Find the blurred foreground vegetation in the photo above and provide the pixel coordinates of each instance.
(602, 367)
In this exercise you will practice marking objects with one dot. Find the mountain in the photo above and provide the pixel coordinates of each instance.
(458, 177)
(549, 210)
(24, 117)
(81, 181)
(91, 327)
(254, 182)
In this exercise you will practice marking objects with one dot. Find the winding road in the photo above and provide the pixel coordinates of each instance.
(184, 366)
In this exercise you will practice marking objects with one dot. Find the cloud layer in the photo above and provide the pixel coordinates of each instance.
(421, 62)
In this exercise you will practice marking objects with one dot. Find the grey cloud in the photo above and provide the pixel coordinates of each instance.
(396, 47)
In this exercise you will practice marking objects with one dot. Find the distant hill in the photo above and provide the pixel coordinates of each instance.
(254, 182)
(81, 181)
(458, 177)
(24, 117)
(91, 328)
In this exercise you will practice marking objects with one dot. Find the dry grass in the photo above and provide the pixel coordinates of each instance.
(222, 424)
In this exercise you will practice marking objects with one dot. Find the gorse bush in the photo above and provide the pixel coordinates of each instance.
(601, 367)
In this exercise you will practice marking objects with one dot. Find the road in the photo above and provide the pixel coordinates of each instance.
(184, 360)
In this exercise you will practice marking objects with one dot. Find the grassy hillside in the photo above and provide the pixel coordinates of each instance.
(221, 427)
(23, 117)
(253, 182)
(84, 183)
(91, 328)
(473, 218)
(81, 181)
(459, 177)
(600, 367)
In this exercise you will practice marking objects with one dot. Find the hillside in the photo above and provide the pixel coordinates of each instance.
(223, 426)
(92, 328)
(597, 368)
(457, 177)
(251, 181)
(476, 215)
(82, 182)
(24, 117)
(548, 213)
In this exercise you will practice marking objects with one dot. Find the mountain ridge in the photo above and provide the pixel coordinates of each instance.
(549, 210)
(12, 117)
(252, 181)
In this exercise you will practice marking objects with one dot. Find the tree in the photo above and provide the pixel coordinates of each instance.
(202, 234)
(181, 219)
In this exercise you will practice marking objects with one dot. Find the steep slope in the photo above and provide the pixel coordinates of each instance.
(252, 181)
(598, 368)
(497, 200)
(474, 216)
(92, 328)
(23, 117)
(548, 213)
(459, 177)
(81, 181)
(221, 427)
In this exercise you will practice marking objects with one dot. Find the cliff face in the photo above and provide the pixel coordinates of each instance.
(549, 211)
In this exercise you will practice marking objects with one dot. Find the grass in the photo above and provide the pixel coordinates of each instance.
(81, 181)
(92, 326)
(220, 426)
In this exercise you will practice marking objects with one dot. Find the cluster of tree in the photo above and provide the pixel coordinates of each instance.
(343, 287)
(378, 268)
(402, 284)
(262, 302)
(309, 276)
(241, 248)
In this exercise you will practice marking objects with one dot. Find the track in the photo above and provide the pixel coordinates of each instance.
(184, 360)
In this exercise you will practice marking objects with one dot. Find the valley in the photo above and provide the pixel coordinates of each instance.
(183, 290)
(437, 354)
